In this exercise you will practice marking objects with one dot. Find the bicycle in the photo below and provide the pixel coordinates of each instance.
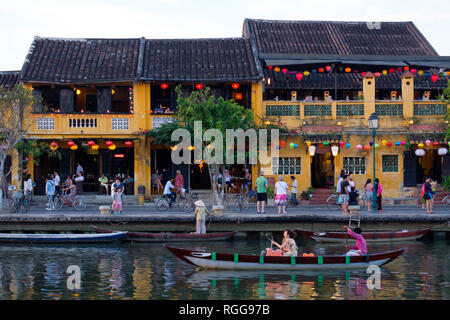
(162, 204)
(241, 204)
(333, 202)
(78, 202)
(446, 200)
(189, 202)
(18, 203)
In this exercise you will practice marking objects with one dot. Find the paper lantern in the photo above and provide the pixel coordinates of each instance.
(306, 73)
(449, 143)
(53, 148)
(413, 71)
(359, 147)
(434, 77)
(442, 151)
(308, 143)
(164, 86)
(70, 143)
(348, 69)
(397, 143)
(321, 70)
(334, 150)
(312, 150)
(270, 67)
(391, 70)
(276, 69)
(199, 86)
(406, 68)
(428, 142)
(435, 143)
(95, 147)
(420, 152)
(420, 72)
(235, 85)
(291, 145)
(112, 147)
(295, 145)
(384, 142)
(389, 144)
(284, 70)
(299, 76)
(238, 96)
(384, 72)
(399, 69)
(74, 147)
(347, 145)
(421, 145)
(91, 143)
(278, 147)
(367, 147)
(407, 144)
(377, 74)
(325, 143)
(283, 143)
(54, 145)
(362, 74)
(370, 143)
(376, 145)
(109, 143)
(342, 143)
(328, 68)
(402, 143)
(128, 143)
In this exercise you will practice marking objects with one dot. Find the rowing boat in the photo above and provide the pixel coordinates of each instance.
(228, 261)
(170, 237)
(384, 236)
(60, 238)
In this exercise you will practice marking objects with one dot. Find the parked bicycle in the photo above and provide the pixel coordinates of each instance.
(333, 202)
(446, 201)
(241, 204)
(189, 202)
(19, 203)
(77, 202)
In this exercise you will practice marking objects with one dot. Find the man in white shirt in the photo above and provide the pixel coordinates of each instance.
(169, 191)
(57, 182)
(294, 187)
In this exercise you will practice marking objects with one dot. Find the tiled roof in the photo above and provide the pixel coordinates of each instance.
(81, 60)
(229, 59)
(342, 38)
(9, 79)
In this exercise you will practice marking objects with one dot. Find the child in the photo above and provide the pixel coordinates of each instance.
(361, 246)
(117, 203)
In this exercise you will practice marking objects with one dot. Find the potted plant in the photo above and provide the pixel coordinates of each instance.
(270, 195)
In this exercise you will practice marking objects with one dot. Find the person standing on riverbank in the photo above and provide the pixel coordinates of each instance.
(200, 217)
(281, 195)
(117, 203)
(294, 187)
(57, 181)
(428, 195)
(261, 192)
(379, 189)
(50, 192)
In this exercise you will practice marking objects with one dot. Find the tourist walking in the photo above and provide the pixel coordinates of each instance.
(261, 192)
(247, 182)
(294, 187)
(379, 189)
(79, 183)
(200, 216)
(50, 192)
(103, 183)
(428, 195)
(281, 195)
(368, 194)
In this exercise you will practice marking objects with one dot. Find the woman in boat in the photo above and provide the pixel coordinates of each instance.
(361, 246)
(288, 247)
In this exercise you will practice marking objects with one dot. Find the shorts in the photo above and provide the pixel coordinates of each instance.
(228, 183)
(427, 196)
(261, 196)
(343, 198)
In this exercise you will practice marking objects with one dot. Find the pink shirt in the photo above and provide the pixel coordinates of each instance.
(360, 242)
(380, 189)
(179, 181)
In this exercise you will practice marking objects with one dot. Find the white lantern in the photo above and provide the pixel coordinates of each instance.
(312, 150)
(442, 151)
(420, 152)
(334, 150)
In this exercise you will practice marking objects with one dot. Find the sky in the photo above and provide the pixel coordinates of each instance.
(21, 21)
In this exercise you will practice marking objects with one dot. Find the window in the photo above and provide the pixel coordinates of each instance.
(390, 163)
(286, 165)
(121, 98)
(355, 165)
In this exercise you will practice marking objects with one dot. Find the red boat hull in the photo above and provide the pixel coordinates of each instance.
(404, 235)
(170, 237)
(225, 261)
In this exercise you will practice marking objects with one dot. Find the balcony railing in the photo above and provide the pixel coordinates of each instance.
(429, 108)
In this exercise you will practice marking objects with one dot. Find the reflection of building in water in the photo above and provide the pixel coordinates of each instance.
(28, 280)
(142, 278)
(116, 279)
(307, 290)
(281, 290)
(52, 279)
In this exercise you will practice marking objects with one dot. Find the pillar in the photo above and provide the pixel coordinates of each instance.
(408, 95)
(369, 95)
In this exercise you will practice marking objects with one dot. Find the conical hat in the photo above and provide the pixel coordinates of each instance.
(199, 203)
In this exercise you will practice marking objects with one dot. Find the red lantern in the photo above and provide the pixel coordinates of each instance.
(389, 144)
(413, 70)
(199, 86)
(128, 143)
(377, 74)
(399, 69)
(363, 73)
(91, 143)
(164, 86)
(70, 143)
(328, 68)
(270, 67)
(434, 77)
(391, 70)
(299, 76)
(284, 70)
(109, 143)
(367, 148)
(54, 144)
(406, 68)
(283, 143)
(235, 86)
(321, 69)
(435, 143)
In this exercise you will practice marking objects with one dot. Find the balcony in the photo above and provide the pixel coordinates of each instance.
(97, 124)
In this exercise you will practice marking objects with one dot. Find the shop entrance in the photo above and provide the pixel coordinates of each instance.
(322, 169)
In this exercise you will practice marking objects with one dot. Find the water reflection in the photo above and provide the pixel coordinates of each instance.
(149, 271)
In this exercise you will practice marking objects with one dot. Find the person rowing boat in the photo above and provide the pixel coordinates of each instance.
(288, 247)
(361, 246)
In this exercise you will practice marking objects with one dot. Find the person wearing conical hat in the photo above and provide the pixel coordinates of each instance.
(200, 216)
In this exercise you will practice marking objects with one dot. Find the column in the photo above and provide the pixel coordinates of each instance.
(369, 95)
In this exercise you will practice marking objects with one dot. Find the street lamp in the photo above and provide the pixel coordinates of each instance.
(373, 124)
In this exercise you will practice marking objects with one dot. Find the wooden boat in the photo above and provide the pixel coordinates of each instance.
(227, 261)
(384, 236)
(171, 237)
(60, 238)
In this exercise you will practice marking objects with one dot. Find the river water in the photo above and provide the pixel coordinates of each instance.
(150, 271)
